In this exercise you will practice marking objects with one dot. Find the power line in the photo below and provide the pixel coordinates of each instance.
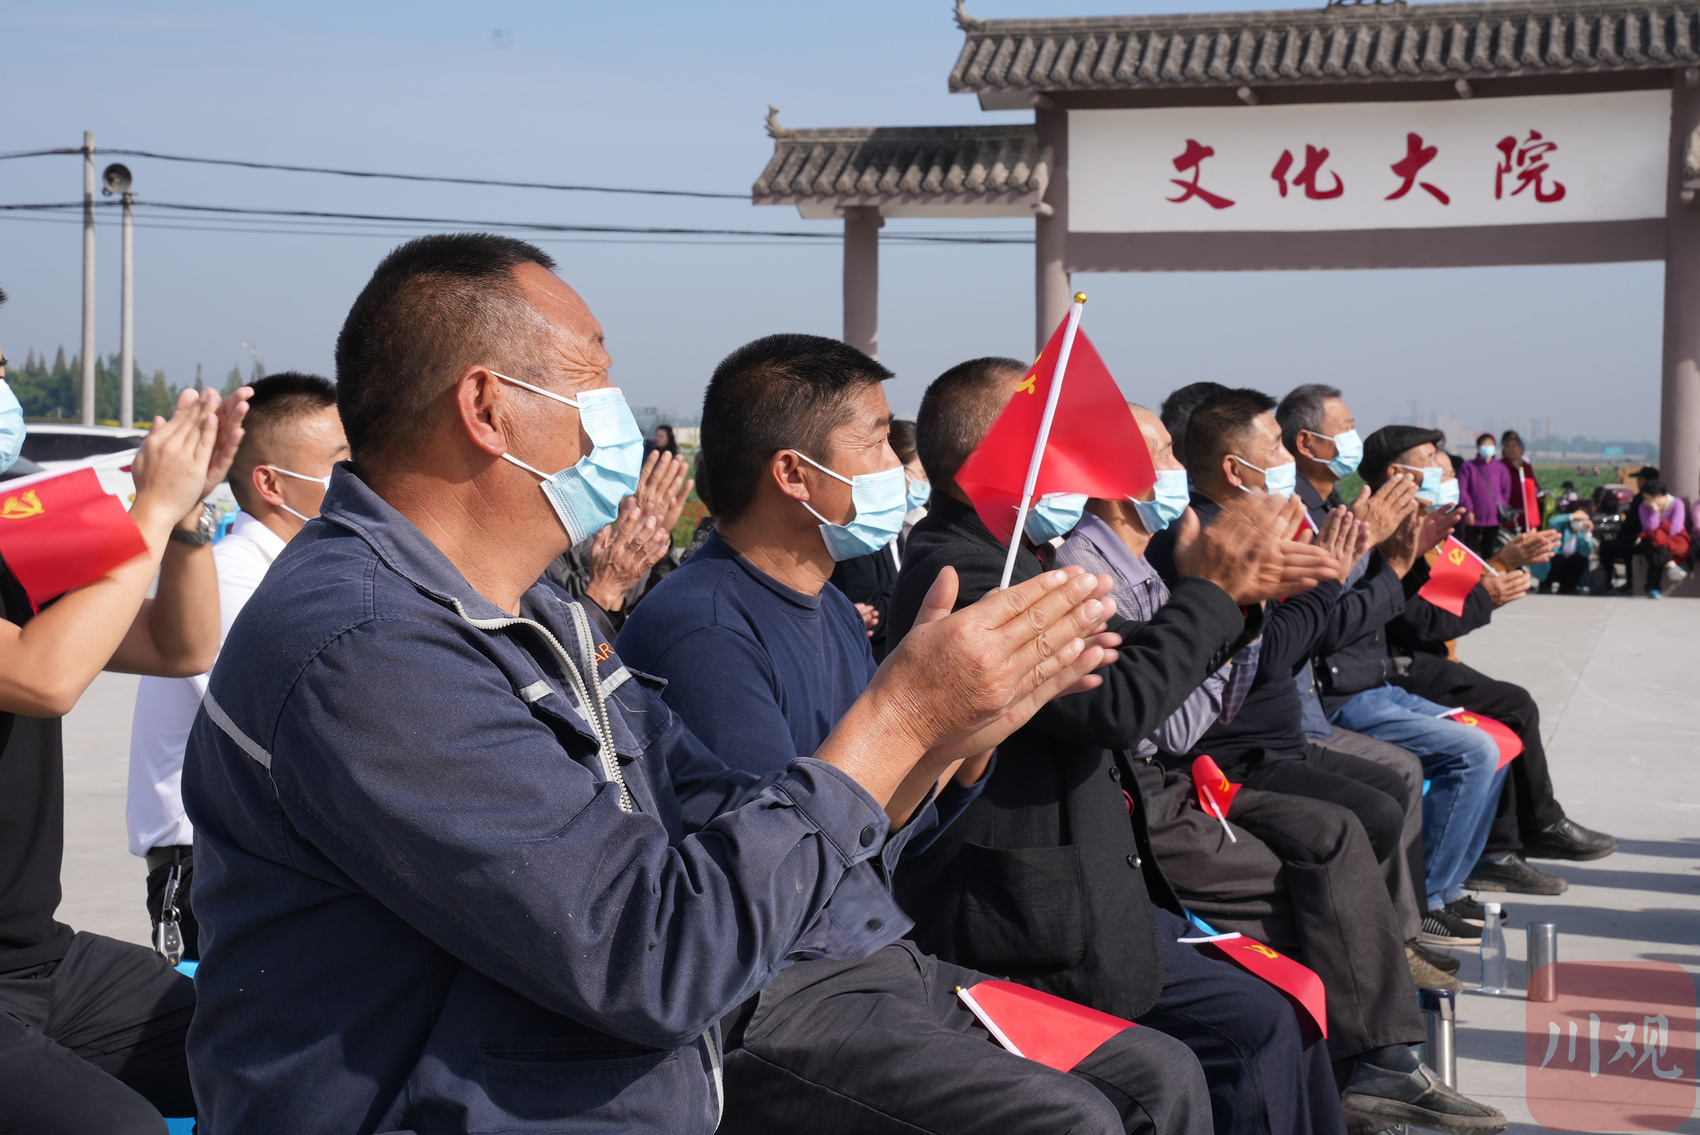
(526, 226)
(387, 176)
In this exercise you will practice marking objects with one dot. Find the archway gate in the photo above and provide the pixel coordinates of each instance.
(1511, 132)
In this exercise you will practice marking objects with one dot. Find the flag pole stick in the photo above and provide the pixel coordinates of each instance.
(1057, 373)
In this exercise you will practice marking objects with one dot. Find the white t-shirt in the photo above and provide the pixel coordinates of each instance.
(165, 707)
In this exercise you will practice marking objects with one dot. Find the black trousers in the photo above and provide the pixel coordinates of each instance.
(186, 924)
(883, 1046)
(1566, 574)
(1299, 876)
(1482, 539)
(94, 1042)
(1406, 877)
(1378, 796)
(1613, 552)
(1656, 559)
(1527, 803)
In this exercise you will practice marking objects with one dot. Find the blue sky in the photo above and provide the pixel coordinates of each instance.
(671, 95)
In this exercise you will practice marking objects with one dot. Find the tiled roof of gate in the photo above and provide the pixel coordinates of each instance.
(1340, 43)
(966, 163)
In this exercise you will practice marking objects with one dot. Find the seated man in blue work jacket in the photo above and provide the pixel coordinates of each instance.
(458, 868)
(762, 656)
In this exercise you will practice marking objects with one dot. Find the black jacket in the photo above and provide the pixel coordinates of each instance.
(869, 579)
(1043, 878)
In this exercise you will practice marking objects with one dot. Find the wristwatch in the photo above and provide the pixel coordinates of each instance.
(204, 531)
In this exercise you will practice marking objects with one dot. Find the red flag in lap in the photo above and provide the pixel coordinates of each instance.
(1215, 791)
(1452, 576)
(1094, 448)
(1055, 1032)
(1299, 983)
(1531, 503)
(1510, 745)
(64, 532)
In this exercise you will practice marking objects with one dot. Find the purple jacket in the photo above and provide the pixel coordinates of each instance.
(1651, 518)
(1483, 487)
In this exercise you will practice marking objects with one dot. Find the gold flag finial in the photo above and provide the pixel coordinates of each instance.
(1079, 297)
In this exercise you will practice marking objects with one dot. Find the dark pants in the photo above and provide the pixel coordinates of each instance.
(1378, 796)
(1566, 574)
(1612, 553)
(883, 1046)
(184, 859)
(1300, 876)
(1406, 882)
(1482, 539)
(94, 1042)
(1656, 558)
(1526, 803)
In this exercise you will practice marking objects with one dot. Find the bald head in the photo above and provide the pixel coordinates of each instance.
(957, 410)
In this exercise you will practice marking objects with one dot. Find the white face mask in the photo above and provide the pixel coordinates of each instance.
(324, 482)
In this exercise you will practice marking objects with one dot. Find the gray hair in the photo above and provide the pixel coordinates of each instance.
(1302, 409)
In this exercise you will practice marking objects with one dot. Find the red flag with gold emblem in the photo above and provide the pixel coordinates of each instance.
(1040, 1026)
(1452, 576)
(1094, 447)
(64, 532)
(1510, 745)
(1298, 982)
(1531, 502)
(1215, 791)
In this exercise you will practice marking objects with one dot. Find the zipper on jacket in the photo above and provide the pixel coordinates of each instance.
(596, 707)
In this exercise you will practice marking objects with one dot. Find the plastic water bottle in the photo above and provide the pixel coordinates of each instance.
(1494, 975)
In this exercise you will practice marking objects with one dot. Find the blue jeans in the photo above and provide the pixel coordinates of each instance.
(1462, 766)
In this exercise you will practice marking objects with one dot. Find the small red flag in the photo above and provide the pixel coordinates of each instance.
(1452, 576)
(1299, 983)
(1215, 791)
(64, 532)
(1095, 446)
(1531, 502)
(1039, 1026)
(1510, 745)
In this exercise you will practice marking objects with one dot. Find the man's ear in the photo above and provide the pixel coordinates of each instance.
(481, 405)
(266, 484)
(785, 469)
(1231, 471)
(1302, 447)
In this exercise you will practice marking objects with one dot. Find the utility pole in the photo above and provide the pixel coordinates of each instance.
(116, 179)
(88, 277)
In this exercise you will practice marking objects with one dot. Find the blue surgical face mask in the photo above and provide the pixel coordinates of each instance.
(880, 502)
(11, 427)
(586, 495)
(1429, 491)
(1448, 495)
(1168, 505)
(1348, 452)
(920, 492)
(1278, 480)
(1487, 450)
(322, 482)
(1053, 515)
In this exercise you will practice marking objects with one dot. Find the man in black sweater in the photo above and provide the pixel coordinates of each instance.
(1044, 877)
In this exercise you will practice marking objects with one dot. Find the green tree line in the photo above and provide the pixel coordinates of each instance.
(49, 393)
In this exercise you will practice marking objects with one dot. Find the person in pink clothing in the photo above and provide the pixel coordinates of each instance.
(1664, 536)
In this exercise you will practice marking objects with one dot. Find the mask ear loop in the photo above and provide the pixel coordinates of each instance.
(538, 390)
(539, 474)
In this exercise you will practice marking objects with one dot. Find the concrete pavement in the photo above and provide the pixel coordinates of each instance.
(1616, 682)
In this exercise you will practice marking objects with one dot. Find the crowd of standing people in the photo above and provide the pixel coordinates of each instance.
(499, 811)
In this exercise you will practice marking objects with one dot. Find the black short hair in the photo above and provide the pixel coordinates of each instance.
(1217, 426)
(1483, 437)
(1653, 487)
(1303, 409)
(2, 295)
(433, 307)
(1178, 407)
(1510, 436)
(784, 391)
(903, 439)
(278, 400)
(957, 410)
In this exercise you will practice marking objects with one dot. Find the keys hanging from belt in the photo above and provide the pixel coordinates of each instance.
(167, 933)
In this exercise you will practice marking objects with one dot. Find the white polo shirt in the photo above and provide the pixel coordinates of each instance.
(165, 707)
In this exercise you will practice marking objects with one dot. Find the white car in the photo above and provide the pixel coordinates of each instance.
(59, 447)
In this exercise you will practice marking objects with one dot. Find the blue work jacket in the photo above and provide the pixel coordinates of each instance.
(446, 886)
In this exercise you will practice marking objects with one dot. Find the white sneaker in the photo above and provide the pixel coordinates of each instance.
(1676, 574)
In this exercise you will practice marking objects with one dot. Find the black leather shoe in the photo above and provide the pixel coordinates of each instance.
(1509, 871)
(1439, 959)
(1568, 839)
(1419, 1098)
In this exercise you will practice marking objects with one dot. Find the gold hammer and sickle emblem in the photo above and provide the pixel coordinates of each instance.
(1259, 947)
(1456, 555)
(22, 506)
(1029, 385)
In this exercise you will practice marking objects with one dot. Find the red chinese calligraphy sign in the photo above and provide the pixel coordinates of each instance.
(1315, 156)
(1407, 168)
(1192, 158)
(1528, 161)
